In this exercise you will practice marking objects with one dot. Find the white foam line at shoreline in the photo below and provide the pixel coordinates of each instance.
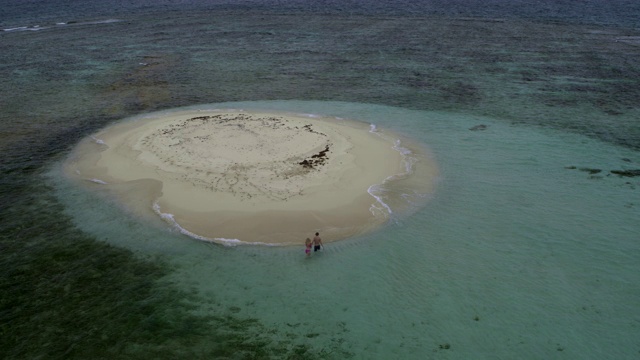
(98, 181)
(408, 161)
(406, 155)
(226, 242)
(374, 130)
(371, 191)
(313, 116)
(98, 141)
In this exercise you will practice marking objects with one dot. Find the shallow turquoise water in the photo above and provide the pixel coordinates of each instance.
(514, 254)
(525, 249)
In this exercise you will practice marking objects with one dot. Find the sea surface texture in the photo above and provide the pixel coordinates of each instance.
(529, 247)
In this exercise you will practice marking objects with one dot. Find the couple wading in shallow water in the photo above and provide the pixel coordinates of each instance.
(316, 243)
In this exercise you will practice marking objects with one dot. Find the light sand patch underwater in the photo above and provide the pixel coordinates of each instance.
(254, 177)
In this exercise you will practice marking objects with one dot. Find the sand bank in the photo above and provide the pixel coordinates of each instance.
(255, 177)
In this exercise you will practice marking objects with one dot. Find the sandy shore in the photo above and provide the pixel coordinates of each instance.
(255, 177)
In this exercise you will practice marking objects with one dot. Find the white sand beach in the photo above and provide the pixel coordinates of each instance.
(250, 176)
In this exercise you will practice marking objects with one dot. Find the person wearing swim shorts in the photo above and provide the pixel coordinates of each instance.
(317, 242)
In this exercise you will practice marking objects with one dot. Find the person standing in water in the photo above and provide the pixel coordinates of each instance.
(307, 243)
(317, 242)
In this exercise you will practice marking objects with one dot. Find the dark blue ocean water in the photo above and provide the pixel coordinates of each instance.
(528, 248)
(614, 12)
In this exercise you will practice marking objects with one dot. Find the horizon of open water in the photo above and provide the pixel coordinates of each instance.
(528, 248)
